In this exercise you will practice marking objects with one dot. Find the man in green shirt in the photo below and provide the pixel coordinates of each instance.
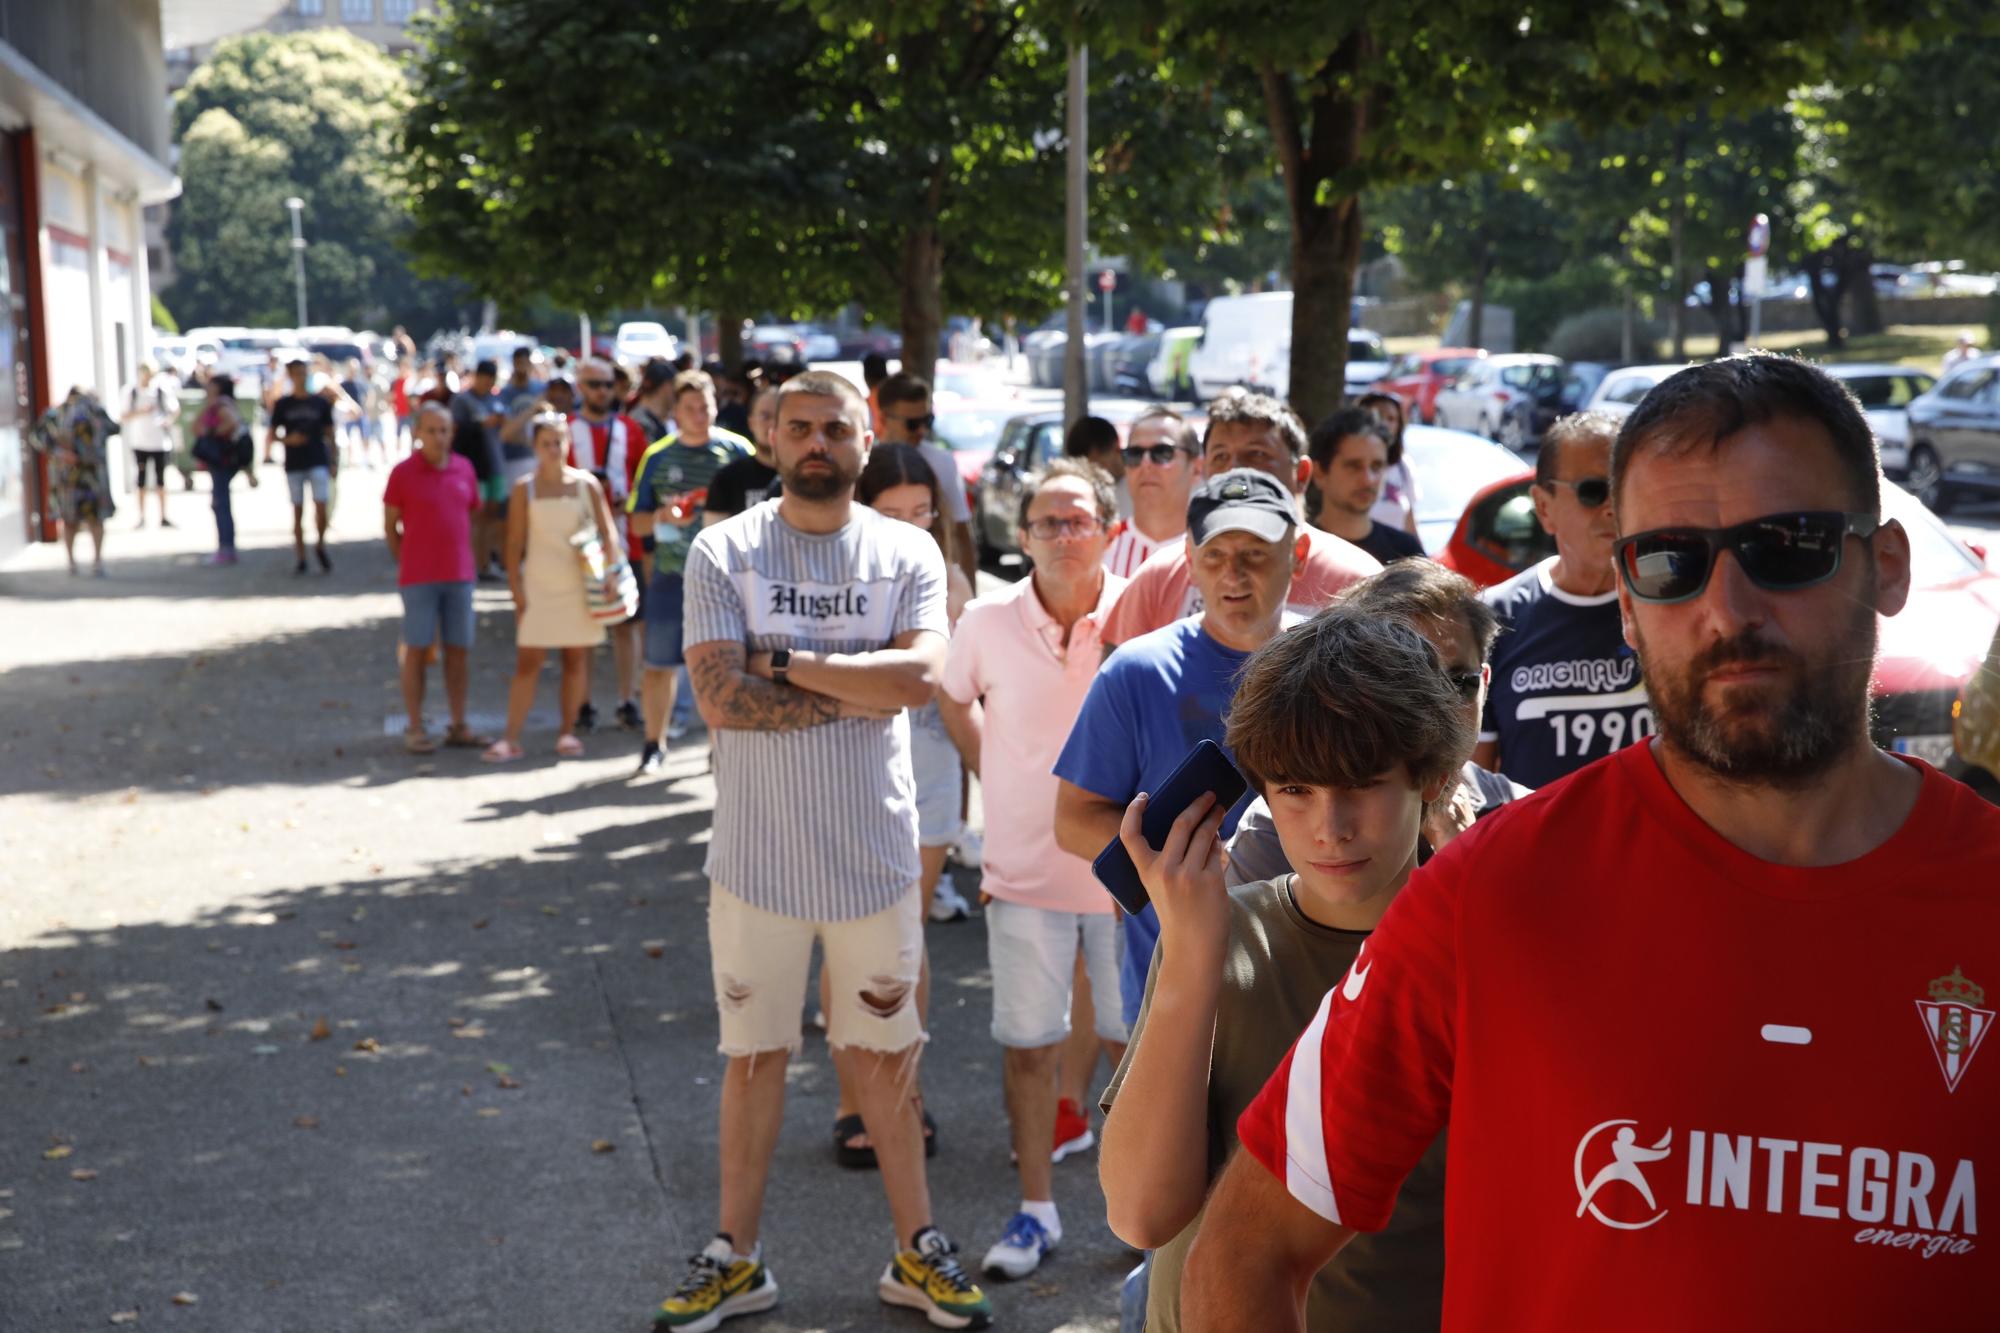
(668, 499)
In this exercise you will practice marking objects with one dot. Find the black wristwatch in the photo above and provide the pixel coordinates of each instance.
(781, 660)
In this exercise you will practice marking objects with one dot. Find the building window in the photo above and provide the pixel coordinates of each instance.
(311, 9)
(396, 11)
(358, 11)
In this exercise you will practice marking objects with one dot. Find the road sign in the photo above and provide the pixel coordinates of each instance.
(1760, 236)
(1107, 280)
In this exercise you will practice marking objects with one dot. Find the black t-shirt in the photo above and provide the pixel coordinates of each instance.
(1386, 543)
(310, 415)
(1566, 686)
(741, 484)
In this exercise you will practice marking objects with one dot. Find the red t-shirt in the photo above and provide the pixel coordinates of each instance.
(635, 445)
(437, 505)
(1685, 1088)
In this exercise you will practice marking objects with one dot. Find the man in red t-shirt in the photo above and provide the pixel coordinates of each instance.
(427, 509)
(608, 444)
(1704, 1019)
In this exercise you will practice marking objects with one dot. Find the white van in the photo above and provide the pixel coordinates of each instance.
(1244, 340)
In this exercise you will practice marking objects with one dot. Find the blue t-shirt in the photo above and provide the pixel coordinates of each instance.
(1566, 687)
(1157, 697)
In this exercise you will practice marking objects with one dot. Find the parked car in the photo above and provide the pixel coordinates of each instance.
(1511, 398)
(1367, 360)
(244, 350)
(340, 353)
(639, 341)
(1168, 372)
(1927, 652)
(1620, 390)
(820, 345)
(1028, 441)
(1131, 364)
(1451, 467)
(1885, 393)
(1580, 381)
(1955, 434)
(1414, 378)
(969, 381)
(775, 343)
(1243, 340)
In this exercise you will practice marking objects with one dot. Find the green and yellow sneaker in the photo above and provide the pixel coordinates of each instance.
(718, 1286)
(928, 1278)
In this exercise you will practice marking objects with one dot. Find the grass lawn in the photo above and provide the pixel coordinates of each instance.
(1920, 345)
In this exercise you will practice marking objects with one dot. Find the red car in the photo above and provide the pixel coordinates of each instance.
(1927, 653)
(1415, 378)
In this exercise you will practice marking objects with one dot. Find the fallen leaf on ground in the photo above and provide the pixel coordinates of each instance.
(214, 1004)
(306, 1121)
(507, 1081)
(322, 1029)
(57, 1153)
(469, 1031)
(603, 1145)
(368, 1044)
(79, 1067)
(656, 951)
(345, 944)
(125, 1317)
(488, 1112)
(185, 1298)
(479, 924)
(340, 1071)
(495, 1067)
(83, 1173)
(551, 911)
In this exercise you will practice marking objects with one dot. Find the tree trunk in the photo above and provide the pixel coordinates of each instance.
(1326, 249)
(1864, 313)
(1677, 248)
(1475, 315)
(1721, 308)
(920, 278)
(729, 338)
(1825, 296)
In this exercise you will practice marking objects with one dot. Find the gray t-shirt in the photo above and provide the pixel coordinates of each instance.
(820, 823)
(1255, 853)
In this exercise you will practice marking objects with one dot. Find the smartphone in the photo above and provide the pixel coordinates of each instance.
(1206, 769)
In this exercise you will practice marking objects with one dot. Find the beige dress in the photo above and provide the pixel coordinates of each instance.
(552, 575)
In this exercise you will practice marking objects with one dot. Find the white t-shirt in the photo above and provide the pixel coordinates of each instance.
(1129, 549)
(146, 434)
(951, 482)
(1399, 497)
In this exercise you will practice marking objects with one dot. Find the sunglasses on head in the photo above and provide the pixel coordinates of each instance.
(1158, 454)
(1591, 492)
(1778, 552)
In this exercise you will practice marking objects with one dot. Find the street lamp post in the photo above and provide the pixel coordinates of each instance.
(297, 206)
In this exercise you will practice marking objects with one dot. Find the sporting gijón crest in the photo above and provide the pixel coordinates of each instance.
(1955, 1023)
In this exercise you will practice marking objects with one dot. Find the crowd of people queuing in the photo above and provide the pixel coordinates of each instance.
(1567, 929)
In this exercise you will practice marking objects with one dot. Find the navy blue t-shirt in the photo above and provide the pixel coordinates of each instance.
(1566, 687)
(1156, 698)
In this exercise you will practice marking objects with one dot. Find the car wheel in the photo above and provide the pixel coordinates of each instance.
(1486, 426)
(1927, 479)
(1513, 434)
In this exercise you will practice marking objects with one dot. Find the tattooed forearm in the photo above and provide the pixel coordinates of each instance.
(732, 699)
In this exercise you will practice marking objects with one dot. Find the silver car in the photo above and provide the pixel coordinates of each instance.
(1955, 434)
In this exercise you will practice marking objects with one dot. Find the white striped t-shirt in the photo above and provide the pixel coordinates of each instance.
(821, 823)
(1129, 549)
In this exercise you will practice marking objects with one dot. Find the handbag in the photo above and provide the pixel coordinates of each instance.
(610, 588)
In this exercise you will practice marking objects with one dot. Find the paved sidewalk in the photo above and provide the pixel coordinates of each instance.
(333, 1038)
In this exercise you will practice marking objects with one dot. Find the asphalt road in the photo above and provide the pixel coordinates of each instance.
(328, 1037)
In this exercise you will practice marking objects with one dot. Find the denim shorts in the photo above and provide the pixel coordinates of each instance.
(322, 485)
(1032, 951)
(935, 765)
(429, 607)
(662, 610)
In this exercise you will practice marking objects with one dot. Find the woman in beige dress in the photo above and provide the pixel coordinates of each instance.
(546, 511)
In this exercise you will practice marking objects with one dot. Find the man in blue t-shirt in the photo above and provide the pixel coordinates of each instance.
(1566, 687)
(1164, 692)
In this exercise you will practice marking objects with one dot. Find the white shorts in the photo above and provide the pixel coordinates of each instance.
(322, 485)
(1032, 951)
(761, 960)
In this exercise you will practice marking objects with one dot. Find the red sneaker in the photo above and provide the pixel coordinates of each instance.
(1072, 1131)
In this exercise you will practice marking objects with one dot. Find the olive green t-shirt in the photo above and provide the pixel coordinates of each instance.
(1278, 967)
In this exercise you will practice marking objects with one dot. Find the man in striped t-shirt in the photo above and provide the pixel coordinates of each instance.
(812, 623)
(1162, 464)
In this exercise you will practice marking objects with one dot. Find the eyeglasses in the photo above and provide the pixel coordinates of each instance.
(921, 517)
(1467, 683)
(1159, 455)
(914, 423)
(1049, 529)
(1779, 553)
(1591, 492)
(598, 384)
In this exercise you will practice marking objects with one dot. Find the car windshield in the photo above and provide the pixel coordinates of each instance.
(1451, 468)
(1528, 377)
(1451, 366)
(973, 428)
(1936, 557)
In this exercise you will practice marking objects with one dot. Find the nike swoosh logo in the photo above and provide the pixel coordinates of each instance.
(1357, 977)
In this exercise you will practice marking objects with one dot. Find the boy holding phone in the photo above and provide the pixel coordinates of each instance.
(1350, 729)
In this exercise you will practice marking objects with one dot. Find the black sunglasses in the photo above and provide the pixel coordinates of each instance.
(1779, 553)
(1467, 684)
(913, 423)
(1591, 492)
(598, 384)
(1158, 454)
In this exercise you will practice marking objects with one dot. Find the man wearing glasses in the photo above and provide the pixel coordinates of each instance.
(1566, 686)
(1705, 1021)
(1162, 462)
(1021, 661)
(608, 444)
(903, 406)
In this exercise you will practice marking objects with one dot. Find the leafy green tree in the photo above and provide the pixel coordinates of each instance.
(1470, 228)
(267, 117)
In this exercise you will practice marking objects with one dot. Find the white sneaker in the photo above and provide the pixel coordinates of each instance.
(676, 730)
(970, 850)
(947, 903)
(1019, 1250)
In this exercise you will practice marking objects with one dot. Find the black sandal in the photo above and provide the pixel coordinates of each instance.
(863, 1159)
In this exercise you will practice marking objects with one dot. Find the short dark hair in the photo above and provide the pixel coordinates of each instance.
(692, 381)
(1101, 487)
(1342, 698)
(874, 368)
(1260, 409)
(656, 372)
(1707, 404)
(893, 465)
(1179, 433)
(1324, 442)
(1576, 428)
(824, 384)
(487, 367)
(1088, 437)
(902, 387)
(1419, 590)
(525, 349)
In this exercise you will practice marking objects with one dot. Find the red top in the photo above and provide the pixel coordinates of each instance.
(437, 505)
(1685, 1088)
(399, 395)
(635, 447)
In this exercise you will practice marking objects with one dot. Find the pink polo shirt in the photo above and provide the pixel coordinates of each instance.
(1009, 651)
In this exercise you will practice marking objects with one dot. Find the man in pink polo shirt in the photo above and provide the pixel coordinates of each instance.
(1021, 662)
(1244, 430)
(427, 509)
